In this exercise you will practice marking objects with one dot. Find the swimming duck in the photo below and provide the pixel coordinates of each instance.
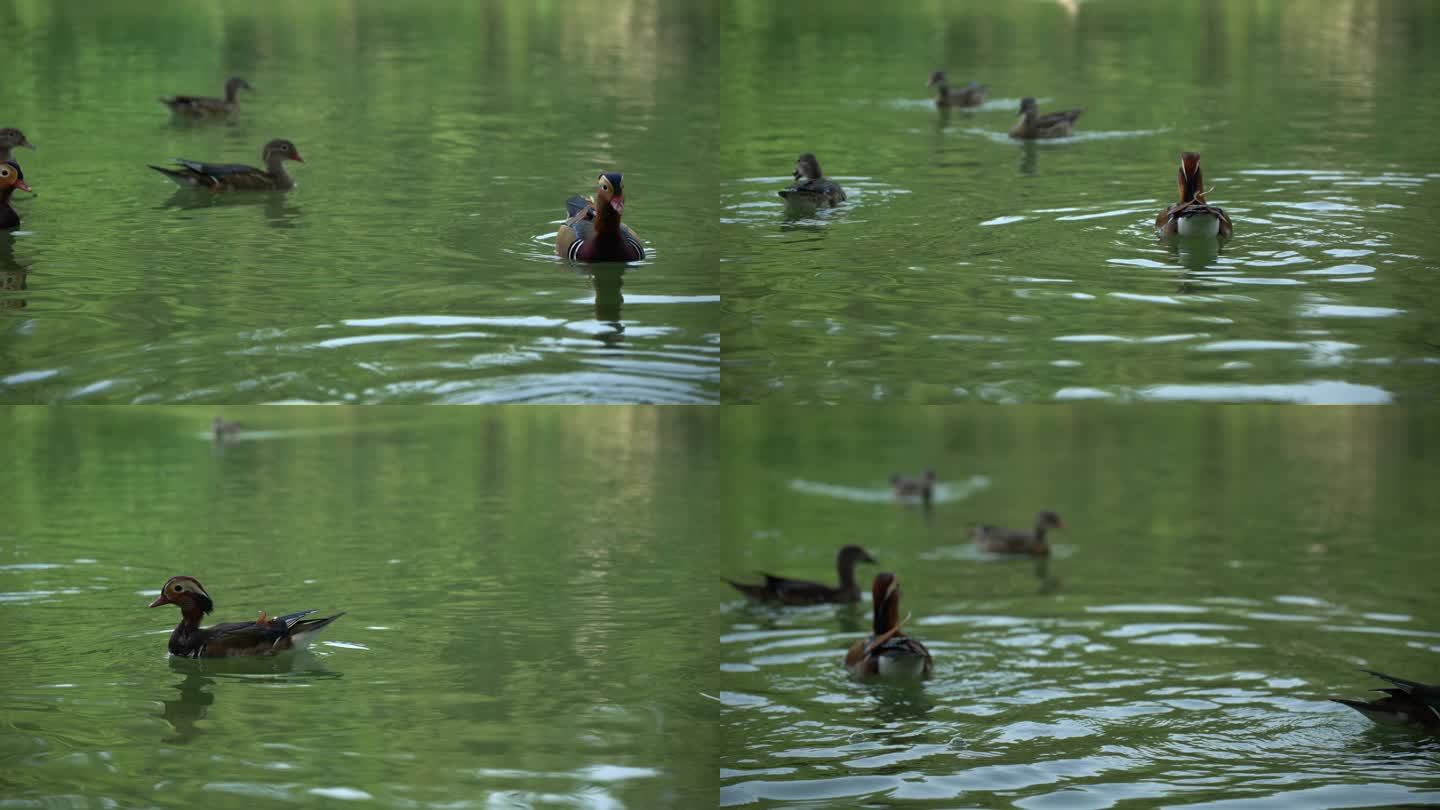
(888, 652)
(236, 176)
(11, 138)
(811, 186)
(1051, 125)
(784, 591)
(222, 429)
(265, 636)
(1192, 216)
(1018, 541)
(206, 107)
(910, 487)
(11, 178)
(971, 95)
(593, 231)
(1407, 703)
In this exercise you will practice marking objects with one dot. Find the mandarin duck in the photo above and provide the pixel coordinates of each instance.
(887, 652)
(996, 540)
(1407, 703)
(971, 95)
(11, 178)
(784, 591)
(592, 231)
(264, 636)
(236, 176)
(11, 138)
(910, 487)
(222, 430)
(1192, 216)
(1051, 125)
(811, 186)
(206, 107)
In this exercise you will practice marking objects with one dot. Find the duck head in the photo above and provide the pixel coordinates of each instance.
(1048, 520)
(610, 192)
(885, 595)
(280, 149)
(188, 593)
(1192, 183)
(807, 167)
(11, 138)
(234, 85)
(852, 554)
(937, 79)
(1028, 107)
(12, 177)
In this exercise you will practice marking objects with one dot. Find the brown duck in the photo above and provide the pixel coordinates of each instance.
(236, 176)
(911, 487)
(264, 636)
(1192, 216)
(887, 652)
(1051, 125)
(222, 429)
(11, 138)
(811, 186)
(785, 591)
(11, 178)
(996, 540)
(971, 95)
(1407, 703)
(593, 232)
(205, 106)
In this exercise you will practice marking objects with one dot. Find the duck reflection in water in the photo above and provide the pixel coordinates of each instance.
(277, 213)
(1029, 157)
(204, 678)
(13, 275)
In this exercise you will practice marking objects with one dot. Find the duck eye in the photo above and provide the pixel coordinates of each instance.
(179, 588)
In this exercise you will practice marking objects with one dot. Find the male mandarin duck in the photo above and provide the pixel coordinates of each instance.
(971, 95)
(924, 487)
(236, 176)
(888, 652)
(1192, 216)
(593, 232)
(811, 186)
(11, 138)
(1407, 703)
(11, 178)
(264, 636)
(1051, 125)
(1018, 541)
(206, 107)
(784, 591)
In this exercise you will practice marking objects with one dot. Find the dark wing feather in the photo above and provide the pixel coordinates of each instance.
(217, 169)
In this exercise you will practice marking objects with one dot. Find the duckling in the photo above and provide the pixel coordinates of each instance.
(811, 186)
(206, 107)
(1051, 125)
(971, 95)
(1192, 216)
(238, 177)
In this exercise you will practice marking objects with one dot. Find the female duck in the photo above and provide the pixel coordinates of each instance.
(911, 487)
(1407, 703)
(1192, 216)
(971, 95)
(1051, 125)
(811, 186)
(996, 540)
(593, 231)
(200, 107)
(11, 138)
(784, 591)
(888, 652)
(235, 176)
(11, 178)
(264, 636)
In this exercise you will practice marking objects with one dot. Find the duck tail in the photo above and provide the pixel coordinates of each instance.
(301, 630)
(179, 176)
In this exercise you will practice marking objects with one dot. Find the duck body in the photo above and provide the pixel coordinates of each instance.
(223, 429)
(1409, 704)
(202, 107)
(811, 186)
(971, 95)
(11, 178)
(593, 232)
(887, 652)
(795, 592)
(1192, 216)
(12, 138)
(904, 487)
(265, 636)
(1033, 125)
(997, 540)
(218, 177)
